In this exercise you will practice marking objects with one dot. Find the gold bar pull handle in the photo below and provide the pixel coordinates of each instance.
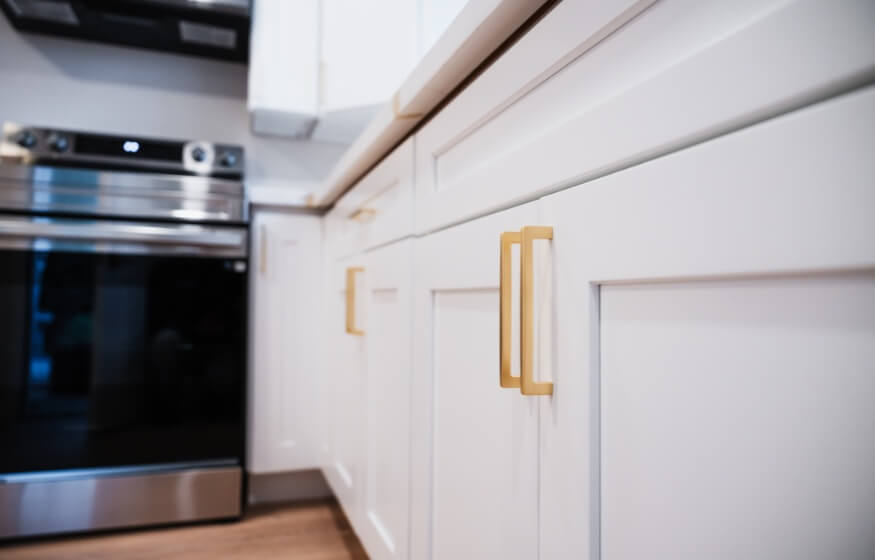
(506, 379)
(528, 385)
(262, 252)
(350, 300)
(363, 215)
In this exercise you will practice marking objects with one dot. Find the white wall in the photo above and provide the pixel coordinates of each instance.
(63, 83)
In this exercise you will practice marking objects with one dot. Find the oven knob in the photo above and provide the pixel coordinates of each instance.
(59, 143)
(198, 154)
(26, 139)
(228, 159)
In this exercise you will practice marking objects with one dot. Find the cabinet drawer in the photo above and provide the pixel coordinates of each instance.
(378, 209)
(597, 87)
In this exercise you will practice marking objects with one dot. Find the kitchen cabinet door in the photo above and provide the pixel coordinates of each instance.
(475, 456)
(285, 272)
(345, 327)
(385, 500)
(713, 349)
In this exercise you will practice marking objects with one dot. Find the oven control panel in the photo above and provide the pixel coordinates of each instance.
(42, 146)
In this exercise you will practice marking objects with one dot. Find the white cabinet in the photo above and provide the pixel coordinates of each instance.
(368, 48)
(345, 354)
(285, 273)
(593, 89)
(330, 64)
(475, 460)
(283, 89)
(367, 348)
(367, 351)
(379, 209)
(707, 323)
(388, 337)
(368, 375)
(713, 349)
(697, 307)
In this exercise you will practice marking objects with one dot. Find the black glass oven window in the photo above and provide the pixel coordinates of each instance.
(109, 360)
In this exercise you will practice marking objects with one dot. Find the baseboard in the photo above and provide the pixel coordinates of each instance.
(287, 486)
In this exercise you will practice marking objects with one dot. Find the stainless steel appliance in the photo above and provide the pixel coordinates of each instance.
(123, 308)
(211, 28)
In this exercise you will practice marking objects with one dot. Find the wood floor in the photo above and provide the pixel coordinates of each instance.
(315, 530)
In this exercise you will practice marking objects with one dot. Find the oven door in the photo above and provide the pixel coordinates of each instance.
(121, 343)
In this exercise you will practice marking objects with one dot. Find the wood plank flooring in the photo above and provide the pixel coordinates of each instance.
(315, 530)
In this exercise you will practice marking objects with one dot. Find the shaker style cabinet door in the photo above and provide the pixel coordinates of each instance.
(714, 336)
(345, 328)
(386, 483)
(475, 443)
(285, 273)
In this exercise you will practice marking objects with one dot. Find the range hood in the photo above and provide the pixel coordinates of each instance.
(210, 28)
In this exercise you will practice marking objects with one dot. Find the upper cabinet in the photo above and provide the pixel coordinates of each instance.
(323, 67)
(283, 96)
(368, 48)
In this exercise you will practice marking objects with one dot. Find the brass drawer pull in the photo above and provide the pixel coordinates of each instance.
(528, 385)
(506, 379)
(350, 301)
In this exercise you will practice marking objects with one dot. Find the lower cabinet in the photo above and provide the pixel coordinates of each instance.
(369, 352)
(475, 466)
(386, 483)
(344, 379)
(676, 361)
(670, 361)
(713, 349)
(284, 429)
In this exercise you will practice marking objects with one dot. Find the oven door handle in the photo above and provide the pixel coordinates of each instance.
(188, 235)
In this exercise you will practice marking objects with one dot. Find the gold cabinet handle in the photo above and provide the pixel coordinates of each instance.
(528, 385)
(506, 379)
(363, 215)
(262, 252)
(350, 300)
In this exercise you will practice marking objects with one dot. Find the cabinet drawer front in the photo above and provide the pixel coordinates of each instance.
(379, 208)
(591, 90)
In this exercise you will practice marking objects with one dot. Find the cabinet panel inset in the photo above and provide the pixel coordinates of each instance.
(737, 418)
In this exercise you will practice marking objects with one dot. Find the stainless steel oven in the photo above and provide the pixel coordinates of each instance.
(123, 309)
